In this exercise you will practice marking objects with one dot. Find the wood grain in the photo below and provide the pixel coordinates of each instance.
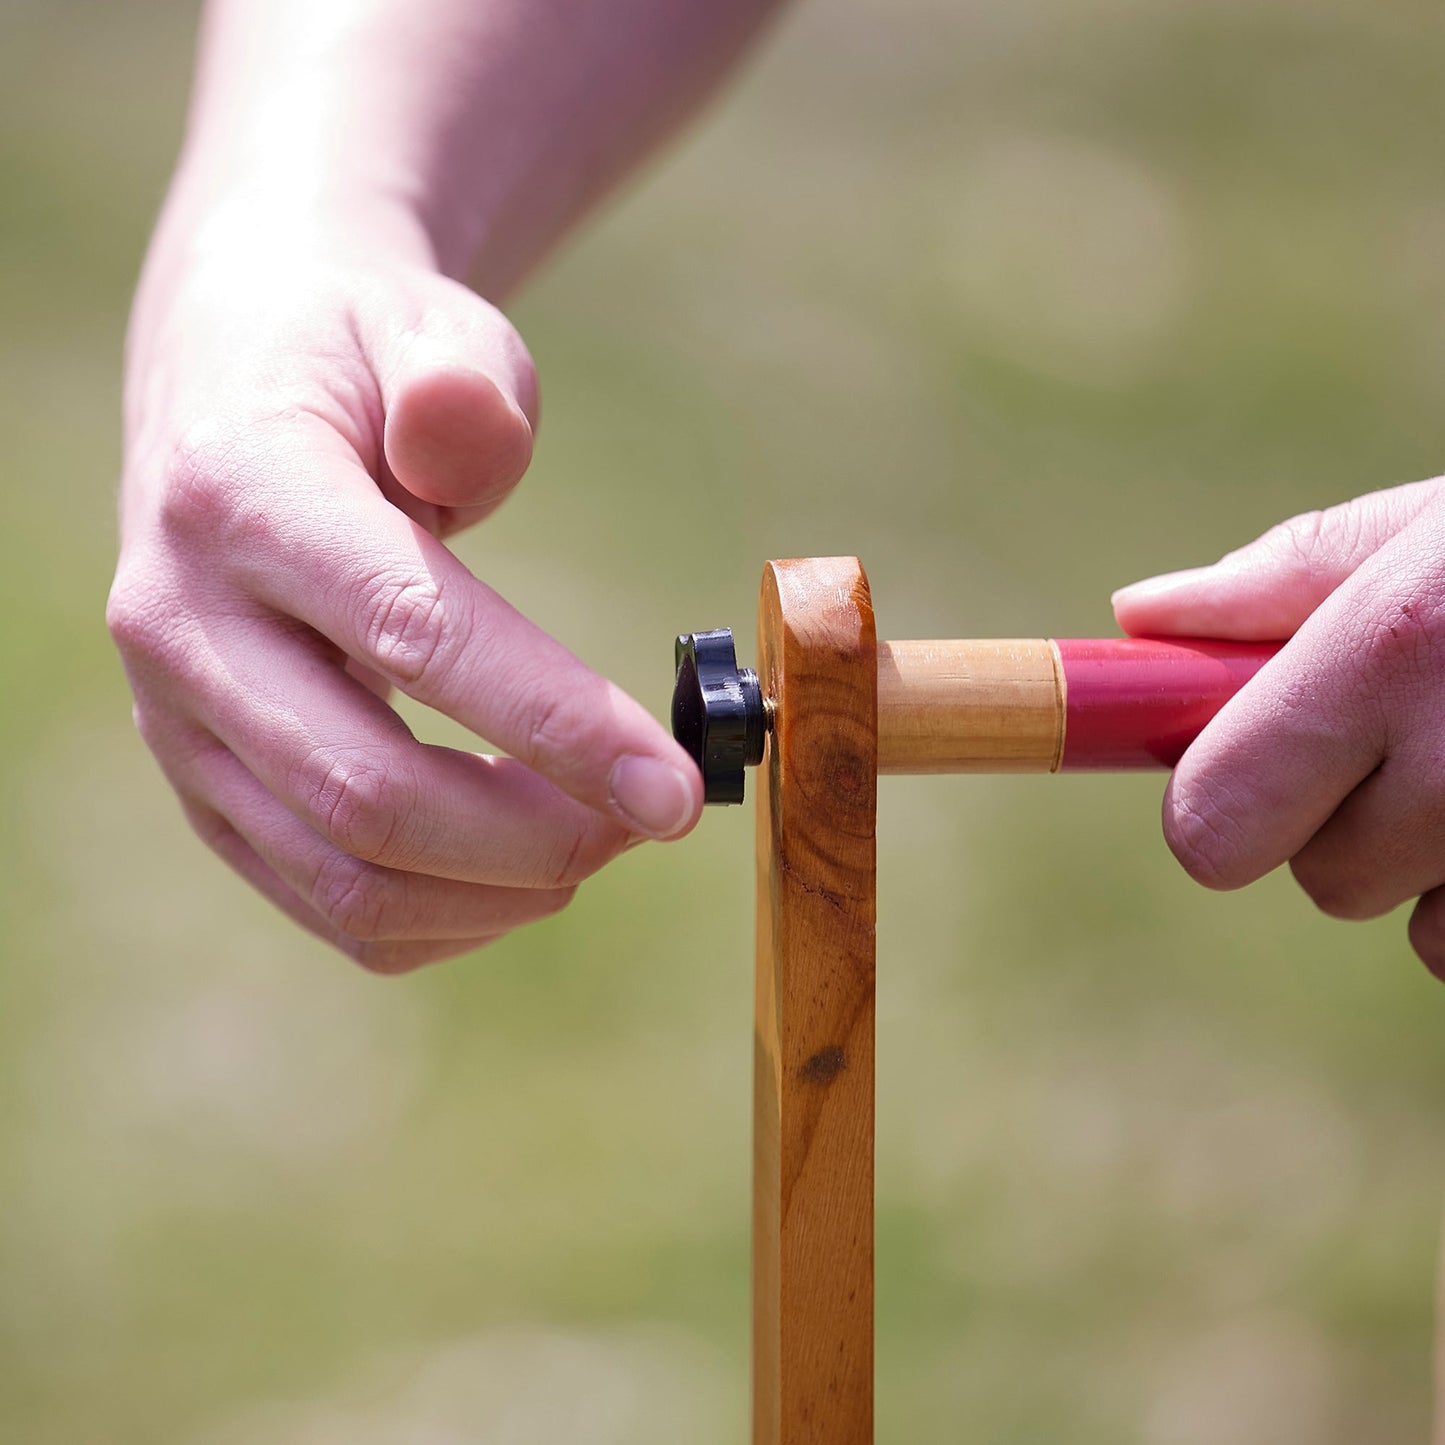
(965, 706)
(813, 1075)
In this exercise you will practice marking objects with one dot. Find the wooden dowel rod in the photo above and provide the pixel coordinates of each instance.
(970, 707)
(1024, 705)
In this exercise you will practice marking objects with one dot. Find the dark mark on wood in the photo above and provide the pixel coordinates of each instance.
(833, 899)
(824, 1066)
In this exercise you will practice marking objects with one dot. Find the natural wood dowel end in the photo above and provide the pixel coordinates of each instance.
(970, 706)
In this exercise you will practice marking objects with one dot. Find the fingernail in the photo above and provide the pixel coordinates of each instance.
(652, 796)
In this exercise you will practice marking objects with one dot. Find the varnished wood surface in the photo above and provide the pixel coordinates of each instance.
(813, 1076)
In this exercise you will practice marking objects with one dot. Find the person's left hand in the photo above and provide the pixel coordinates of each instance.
(1333, 757)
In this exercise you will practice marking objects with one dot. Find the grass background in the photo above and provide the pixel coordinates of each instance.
(1016, 301)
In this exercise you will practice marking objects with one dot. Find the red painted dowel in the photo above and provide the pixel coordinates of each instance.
(1138, 703)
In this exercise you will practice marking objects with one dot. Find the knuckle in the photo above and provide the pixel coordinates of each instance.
(203, 476)
(1314, 544)
(563, 730)
(352, 896)
(405, 627)
(1205, 839)
(1301, 543)
(352, 800)
(219, 479)
(147, 627)
(1305, 533)
(131, 618)
(550, 727)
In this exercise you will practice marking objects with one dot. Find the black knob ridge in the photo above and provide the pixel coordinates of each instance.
(718, 713)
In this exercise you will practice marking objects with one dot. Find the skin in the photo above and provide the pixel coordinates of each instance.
(1330, 759)
(314, 402)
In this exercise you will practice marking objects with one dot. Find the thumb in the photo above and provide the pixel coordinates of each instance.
(460, 397)
(1266, 589)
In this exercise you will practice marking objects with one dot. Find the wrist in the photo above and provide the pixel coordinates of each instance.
(235, 241)
(218, 211)
(238, 265)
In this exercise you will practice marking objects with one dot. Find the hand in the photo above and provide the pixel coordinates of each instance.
(300, 435)
(1333, 757)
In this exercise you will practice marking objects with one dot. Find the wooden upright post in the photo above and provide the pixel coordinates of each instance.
(842, 708)
(813, 1072)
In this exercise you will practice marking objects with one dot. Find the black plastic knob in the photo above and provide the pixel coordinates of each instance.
(718, 713)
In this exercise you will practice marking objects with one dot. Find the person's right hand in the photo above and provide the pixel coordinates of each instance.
(300, 435)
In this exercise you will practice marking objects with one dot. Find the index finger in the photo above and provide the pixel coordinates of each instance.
(328, 550)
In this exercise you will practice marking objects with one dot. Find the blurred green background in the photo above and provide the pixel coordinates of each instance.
(1018, 301)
